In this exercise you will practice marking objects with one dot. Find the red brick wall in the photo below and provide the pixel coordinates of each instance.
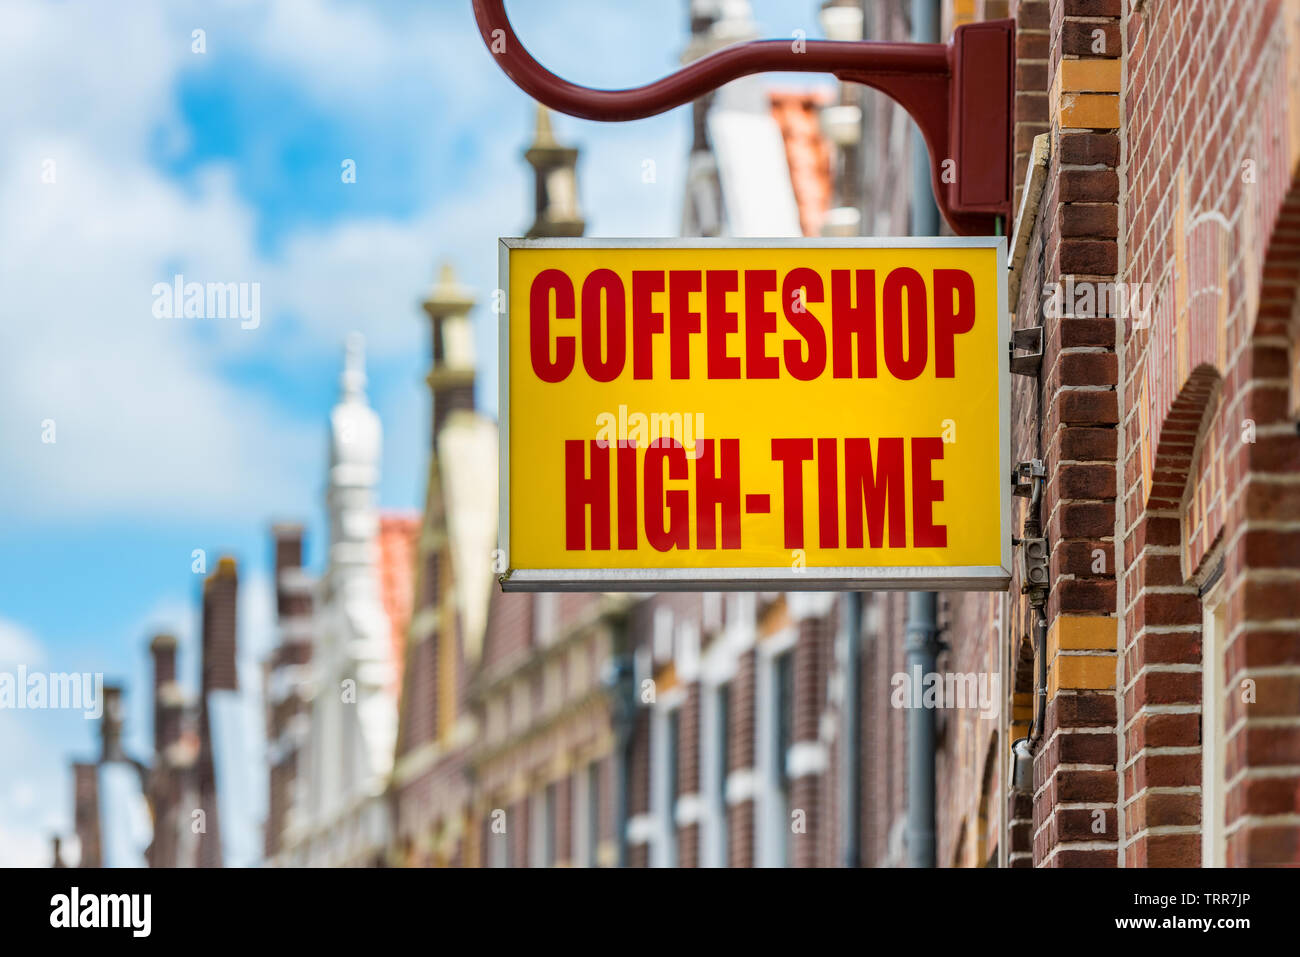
(740, 816)
(1211, 447)
(811, 660)
(85, 812)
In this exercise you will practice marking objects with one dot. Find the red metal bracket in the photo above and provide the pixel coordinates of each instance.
(960, 94)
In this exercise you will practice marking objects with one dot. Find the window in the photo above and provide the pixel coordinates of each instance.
(1213, 771)
(593, 814)
(773, 733)
(497, 844)
(552, 687)
(541, 828)
(782, 740)
(585, 822)
(670, 766)
(548, 847)
(722, 765)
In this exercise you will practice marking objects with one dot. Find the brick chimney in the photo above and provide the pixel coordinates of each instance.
(287, 537)
(555, 169)
(167, 698)
(452, 377)
(292, 594)
(110, 726)
(165, 781)
(85, 811)
(219, 648)
(219, 674)
(286, 675)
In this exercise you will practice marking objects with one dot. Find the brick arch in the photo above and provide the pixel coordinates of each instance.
(1020, 807)
(1221, 482)
(1261, 577)
(1179, 437)
(986, 820)
(959, 848)
(1162, 662)
(1277, 316)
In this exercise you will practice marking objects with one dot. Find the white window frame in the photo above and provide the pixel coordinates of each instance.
(498, 854)
(1214, 785)
(718, 669)
(663, 806)
(545, 606)
(662, 635)
(713, 829)
(769, 826)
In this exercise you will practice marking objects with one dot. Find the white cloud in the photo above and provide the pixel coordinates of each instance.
(145, 421)
(18, 646)
(148, 421)
(20, 847)
(32, 766)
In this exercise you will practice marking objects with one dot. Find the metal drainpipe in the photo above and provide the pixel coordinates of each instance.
(922, 647)
(621, 685)
(925, 214)
(922, 650)
(1038, 601)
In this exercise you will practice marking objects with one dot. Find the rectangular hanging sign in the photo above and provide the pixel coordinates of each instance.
(754, 415)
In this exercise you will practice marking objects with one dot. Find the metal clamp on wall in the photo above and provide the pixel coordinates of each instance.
(1027, 482)
(1030, 361)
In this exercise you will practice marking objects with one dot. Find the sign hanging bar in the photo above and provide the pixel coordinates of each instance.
(960, 94)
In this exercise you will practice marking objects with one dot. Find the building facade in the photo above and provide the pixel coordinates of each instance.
(195, 802)
(334, 677)
(1132, 700)
(1151, 675)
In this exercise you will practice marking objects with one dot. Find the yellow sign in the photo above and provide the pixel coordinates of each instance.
(699, 415)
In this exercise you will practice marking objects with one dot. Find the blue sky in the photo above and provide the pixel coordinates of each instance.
(182, 434)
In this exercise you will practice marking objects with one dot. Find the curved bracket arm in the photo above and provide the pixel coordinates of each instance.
(960, 95)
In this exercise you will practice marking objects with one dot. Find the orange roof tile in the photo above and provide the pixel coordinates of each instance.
(808, 152)
(399, 533)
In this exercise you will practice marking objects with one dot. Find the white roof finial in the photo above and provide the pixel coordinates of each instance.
(353, 380)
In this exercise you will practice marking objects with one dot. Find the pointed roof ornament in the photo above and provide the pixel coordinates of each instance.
(356, 436)
(448, 296)
(555, 170)
(544, 135)
(353, 380)
(716, 24)
(546, 151)
(735, 21)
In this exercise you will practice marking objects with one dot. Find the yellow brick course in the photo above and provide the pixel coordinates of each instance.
(1082, 633)
(1090, 111)
(1089, 76)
